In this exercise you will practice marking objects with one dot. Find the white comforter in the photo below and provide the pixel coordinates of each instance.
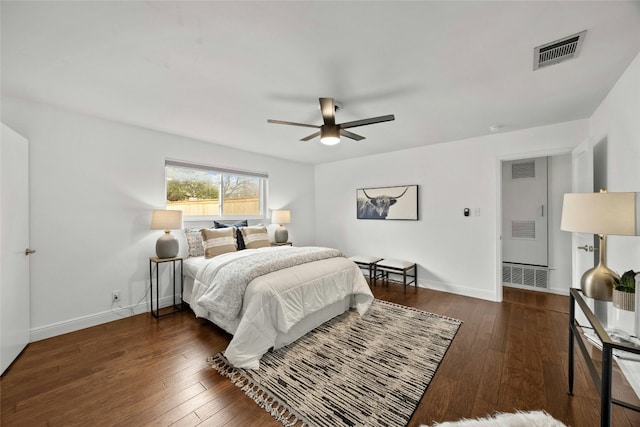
(275, 302)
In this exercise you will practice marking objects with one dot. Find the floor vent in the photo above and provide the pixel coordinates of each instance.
(525, 275)
(558, 51)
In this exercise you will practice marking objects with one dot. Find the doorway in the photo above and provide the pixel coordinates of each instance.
(525, 252)
(524, 220)
(15, 314)
(534, 253)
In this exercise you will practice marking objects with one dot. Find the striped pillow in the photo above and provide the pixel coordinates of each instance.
(237, 225)
(218, 241)
(255, 237)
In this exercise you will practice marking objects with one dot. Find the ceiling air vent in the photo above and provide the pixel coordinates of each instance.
(557, 51)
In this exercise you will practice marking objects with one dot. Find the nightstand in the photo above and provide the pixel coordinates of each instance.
(281, 244)
(157, 261)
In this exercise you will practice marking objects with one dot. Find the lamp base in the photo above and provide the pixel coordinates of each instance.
(281, 235)
(598, 283)
(167, 246)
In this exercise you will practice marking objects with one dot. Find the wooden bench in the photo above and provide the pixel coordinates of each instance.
(408, 270)
(368, 263)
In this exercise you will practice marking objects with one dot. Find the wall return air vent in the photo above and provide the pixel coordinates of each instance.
(558, 51)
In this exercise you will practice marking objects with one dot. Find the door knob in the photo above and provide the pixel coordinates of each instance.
(586, 248)
(29, 251)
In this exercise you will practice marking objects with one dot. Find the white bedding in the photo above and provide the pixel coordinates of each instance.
(281, 302)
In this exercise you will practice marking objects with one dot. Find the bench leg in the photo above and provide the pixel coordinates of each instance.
(372, 278)
(404, 280)
(375, 275)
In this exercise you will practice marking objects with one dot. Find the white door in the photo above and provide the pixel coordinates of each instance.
(15, 314)
(524, 212)
(582, 182)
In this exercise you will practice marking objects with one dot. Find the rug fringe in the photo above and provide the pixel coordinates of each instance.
(344, 388)
(264, 400)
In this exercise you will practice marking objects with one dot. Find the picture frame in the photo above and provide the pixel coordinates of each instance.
(396, 202)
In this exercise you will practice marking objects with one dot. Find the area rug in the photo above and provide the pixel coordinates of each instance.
(519, 419)
(351, 371)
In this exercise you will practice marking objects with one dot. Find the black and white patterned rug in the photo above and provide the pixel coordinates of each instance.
(351, 371)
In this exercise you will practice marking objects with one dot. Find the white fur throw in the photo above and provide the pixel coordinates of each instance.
(520, 419)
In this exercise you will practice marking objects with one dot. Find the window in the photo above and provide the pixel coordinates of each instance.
(206, 191)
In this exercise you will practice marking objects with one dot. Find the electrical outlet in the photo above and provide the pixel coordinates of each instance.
(115, 296)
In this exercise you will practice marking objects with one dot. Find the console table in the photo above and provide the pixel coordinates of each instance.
(603, 379)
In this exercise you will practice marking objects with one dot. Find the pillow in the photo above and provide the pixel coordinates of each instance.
(237, 225)
(255, 237)
(217, 242)
(194, 242)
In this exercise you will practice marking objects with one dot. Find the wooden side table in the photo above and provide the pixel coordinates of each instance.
(157, 261)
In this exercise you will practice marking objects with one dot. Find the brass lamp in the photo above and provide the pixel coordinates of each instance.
(167, 245)
(602, 214)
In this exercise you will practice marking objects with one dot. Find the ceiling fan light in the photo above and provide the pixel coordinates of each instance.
(329, 135)
(329, 140)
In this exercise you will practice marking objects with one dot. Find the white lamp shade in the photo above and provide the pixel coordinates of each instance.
(601, 213)
(162, 219)
(281, 217)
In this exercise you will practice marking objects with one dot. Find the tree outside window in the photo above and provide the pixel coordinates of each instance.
(196, 190)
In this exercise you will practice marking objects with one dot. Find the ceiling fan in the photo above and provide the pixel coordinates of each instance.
(330, 131)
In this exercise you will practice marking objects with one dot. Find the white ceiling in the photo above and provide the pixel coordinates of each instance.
(216, 71)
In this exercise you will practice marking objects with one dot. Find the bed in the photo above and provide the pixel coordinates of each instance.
(267, 297)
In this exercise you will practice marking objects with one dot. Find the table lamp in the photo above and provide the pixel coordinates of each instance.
(167, 245)
(602, 214)
(281, 217)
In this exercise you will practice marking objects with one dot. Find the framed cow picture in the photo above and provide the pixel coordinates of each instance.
(400, 202)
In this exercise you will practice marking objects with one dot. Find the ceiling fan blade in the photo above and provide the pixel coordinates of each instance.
(370, 121)
(328, 111)
(313, 135)
(282, 122)
(351, 135)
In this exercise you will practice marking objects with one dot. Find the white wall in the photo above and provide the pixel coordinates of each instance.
(454, 253)
(618, 120)
(93, 185)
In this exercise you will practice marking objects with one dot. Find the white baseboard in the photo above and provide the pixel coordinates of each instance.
(556, 291)
(458, 290)
(71, 325)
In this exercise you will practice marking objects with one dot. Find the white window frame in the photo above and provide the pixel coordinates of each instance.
(264, 186)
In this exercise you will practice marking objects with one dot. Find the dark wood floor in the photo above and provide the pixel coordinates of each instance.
(141, 371)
